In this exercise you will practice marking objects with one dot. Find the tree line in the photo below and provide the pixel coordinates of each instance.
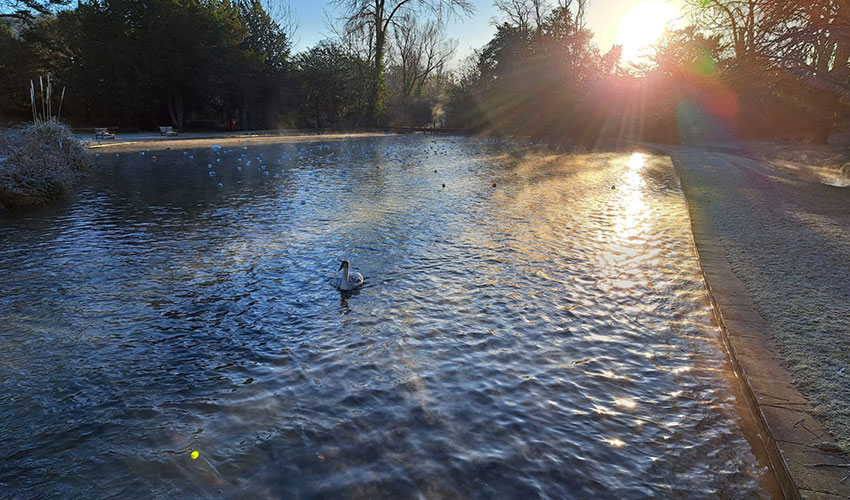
(737, 68)
(140, 64)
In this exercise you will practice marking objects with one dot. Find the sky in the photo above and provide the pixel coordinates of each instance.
(473, 32)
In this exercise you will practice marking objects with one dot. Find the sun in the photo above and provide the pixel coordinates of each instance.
(642, 26)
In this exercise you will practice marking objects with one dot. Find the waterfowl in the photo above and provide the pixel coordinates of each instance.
(346, 281)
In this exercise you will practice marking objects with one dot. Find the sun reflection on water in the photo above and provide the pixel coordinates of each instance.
(615, 442)
(622, 261)
(634, 215)
(629, 404)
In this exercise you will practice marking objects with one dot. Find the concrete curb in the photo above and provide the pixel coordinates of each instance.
(791, 434)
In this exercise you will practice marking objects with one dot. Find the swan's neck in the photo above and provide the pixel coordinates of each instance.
(345, 274)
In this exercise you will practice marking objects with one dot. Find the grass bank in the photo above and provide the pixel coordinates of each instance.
(39, 162)
(826, 163)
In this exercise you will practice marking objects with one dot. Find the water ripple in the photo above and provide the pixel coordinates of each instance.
(548, 337)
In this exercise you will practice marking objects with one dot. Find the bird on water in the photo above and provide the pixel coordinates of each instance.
(345, 280)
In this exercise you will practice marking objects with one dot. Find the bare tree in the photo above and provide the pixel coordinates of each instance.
(27, 10)
(527, 15)
(284, 15)
(580, 21)
(422, 49)
(745, 25)
(812, 41)
(377, 18)
(807, 38)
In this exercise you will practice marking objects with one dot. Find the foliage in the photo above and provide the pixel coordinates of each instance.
(744, 67)
(534, 78)
(143, 64)
(331, 86)
(18, 64)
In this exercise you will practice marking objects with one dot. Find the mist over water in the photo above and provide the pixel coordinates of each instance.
(537, 328)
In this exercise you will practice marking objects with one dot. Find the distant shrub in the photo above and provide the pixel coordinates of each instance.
(38, 163)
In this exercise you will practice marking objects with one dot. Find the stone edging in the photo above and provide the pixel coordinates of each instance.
(786, 425)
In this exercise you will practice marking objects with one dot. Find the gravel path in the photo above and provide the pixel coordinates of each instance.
(788, 239)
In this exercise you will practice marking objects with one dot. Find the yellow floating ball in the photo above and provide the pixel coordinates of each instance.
(195, 455)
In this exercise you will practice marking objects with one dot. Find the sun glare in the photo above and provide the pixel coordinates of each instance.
(642, 26)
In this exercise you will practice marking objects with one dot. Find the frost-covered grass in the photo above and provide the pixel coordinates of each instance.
(828, 156)
(789, 242)
(827, 163)
(38, 163)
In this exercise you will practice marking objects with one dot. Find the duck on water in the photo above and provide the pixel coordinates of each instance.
(345, 280)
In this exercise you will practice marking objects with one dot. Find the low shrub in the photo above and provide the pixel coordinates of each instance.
(39, 162)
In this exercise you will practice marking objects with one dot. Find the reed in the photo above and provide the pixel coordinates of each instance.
(44, 100)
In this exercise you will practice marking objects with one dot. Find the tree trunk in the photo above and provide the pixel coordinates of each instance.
(376, 101)
(828, 106)
(822, 130)
(175, 109)
(243, 116)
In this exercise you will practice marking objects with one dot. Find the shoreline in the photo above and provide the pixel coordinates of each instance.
(793, 436)
(142, 142)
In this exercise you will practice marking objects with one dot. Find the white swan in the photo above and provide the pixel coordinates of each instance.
(345, 281)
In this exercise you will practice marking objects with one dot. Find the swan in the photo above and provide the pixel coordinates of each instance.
(345, 281)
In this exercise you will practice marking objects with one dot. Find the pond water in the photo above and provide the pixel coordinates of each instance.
(537, 328)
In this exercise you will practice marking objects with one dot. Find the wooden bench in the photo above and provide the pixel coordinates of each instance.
(168, 131)
(103, 133)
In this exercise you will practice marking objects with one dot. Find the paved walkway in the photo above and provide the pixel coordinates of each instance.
(775, 251)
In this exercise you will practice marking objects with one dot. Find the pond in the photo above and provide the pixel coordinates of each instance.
(533, 325)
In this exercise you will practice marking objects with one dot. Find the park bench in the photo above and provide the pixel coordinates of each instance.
(167, 131)
(103, 133)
